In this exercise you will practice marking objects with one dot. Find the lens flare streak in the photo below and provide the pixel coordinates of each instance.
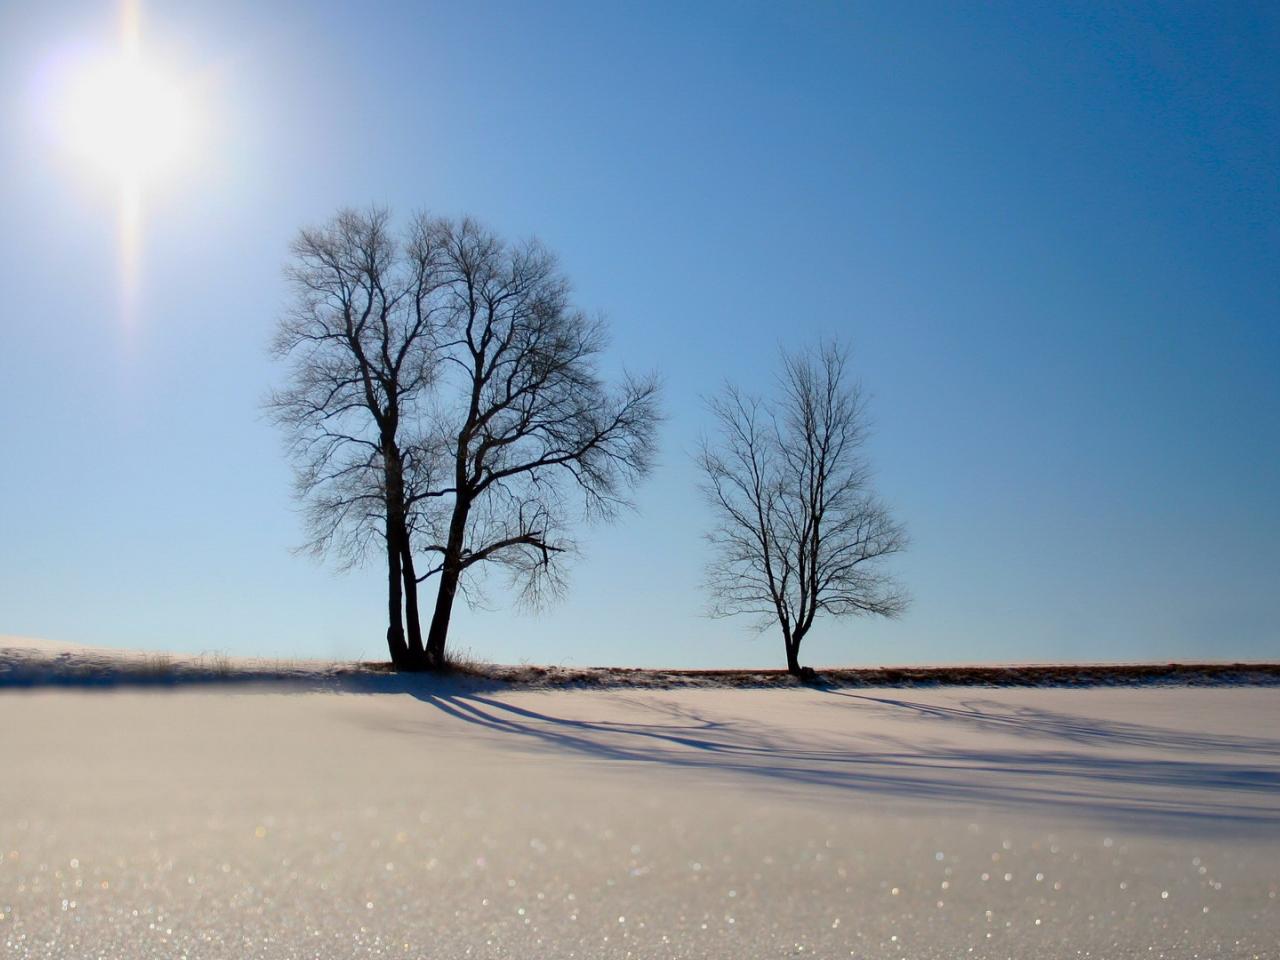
(128, 120)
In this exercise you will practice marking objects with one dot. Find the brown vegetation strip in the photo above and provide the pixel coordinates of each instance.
(1056, 675)
(25, 668)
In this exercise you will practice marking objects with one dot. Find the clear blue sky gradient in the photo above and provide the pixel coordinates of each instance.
(1051, 235)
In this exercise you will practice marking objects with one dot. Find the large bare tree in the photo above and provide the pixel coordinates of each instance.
(360, 338)
(527, 437)
(445, 402)
(799, 530)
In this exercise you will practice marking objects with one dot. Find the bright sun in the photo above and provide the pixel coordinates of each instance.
(126, 117)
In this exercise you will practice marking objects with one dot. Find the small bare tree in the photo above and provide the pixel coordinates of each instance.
(799, 530)
(444, 401)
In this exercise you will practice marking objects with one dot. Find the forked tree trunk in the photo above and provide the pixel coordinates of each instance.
(403, 584)
(792, 648)
(803, 674)
(793, 653)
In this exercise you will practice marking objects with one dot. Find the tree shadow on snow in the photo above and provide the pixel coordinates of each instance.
(1090, 778)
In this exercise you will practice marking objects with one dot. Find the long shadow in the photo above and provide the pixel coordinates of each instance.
(1157, 793)
(991, 716)
(1153, 794)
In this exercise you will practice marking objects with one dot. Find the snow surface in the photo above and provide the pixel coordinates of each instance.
(464, 818)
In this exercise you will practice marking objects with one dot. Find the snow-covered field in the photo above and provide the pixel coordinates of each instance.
(460, 818)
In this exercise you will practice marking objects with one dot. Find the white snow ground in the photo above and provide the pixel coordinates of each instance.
(463, 820)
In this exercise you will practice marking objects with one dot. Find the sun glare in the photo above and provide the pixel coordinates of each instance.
(126, 118)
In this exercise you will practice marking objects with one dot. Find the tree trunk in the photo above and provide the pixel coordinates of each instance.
(395, 625)
(792, 648)
(803, 674)
(402, 583)
(793, 653)
(439, 630)
(450, 575)
(414, 621)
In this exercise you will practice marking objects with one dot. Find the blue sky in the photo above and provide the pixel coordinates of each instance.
(1050, 234)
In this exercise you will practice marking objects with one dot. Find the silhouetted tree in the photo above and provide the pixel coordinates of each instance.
(526, 434)
(444, 400)
(798, 530)
(361, 340)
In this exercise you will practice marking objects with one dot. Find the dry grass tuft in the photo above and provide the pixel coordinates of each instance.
(216, 662)
(462, 660)
(156, 665)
